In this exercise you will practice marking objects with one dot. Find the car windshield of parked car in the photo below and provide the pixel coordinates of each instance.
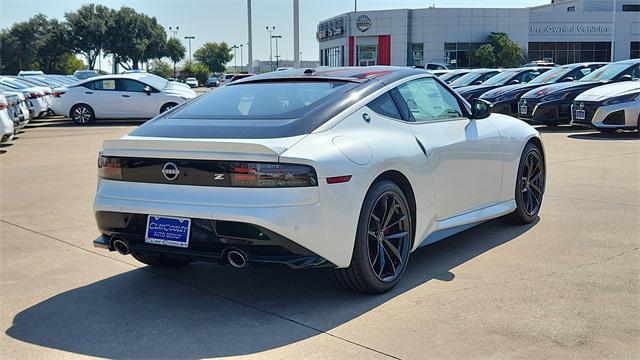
(466, 79)
(264, 100)
(501, 78)
(552, 75)
(608, 72)
(154, 81)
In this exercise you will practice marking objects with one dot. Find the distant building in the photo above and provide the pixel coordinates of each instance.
(565, 31)
(260, 66)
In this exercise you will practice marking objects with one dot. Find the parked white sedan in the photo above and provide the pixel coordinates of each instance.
(608, 107)
(128, 96)
(6, 123)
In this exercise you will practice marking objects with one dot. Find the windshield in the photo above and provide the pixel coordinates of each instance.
(263, 100)
(608, 72)
(155, 81)
(467, 79)
(552, 75)
(501, 78)
(452, 76)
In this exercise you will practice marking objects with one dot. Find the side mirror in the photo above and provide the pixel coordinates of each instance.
(480, 109)
(477, 82)
(626, 77)
(567, 79)
(514, 81)
(147, 89)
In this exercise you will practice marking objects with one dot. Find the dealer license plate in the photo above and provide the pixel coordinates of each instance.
(580, 114)
(523, 109)
(169, 231)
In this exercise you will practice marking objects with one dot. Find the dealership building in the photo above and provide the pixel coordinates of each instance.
(565, 31)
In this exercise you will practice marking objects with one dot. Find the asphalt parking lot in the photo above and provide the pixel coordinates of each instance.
(567, 286)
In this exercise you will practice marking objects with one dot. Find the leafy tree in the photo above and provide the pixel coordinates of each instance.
(174, 50)
(485, 56)
(38, 43)
(214, 56)
(197, 70)
(161, 68)
(506, 51)
(134, 37)
(88, 28)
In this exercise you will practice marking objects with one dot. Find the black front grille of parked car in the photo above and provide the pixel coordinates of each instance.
(589, 111)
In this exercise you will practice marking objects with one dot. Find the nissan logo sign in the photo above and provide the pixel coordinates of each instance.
(170, 171)
(363, 23)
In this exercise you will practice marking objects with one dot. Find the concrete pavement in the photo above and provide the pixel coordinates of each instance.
(567, 286)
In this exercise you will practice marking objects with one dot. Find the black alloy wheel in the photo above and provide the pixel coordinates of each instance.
(388, 242)
(383, 241)
(530, 185)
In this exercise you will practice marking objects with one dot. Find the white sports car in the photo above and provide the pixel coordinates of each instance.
(346, 168)
(608, 107)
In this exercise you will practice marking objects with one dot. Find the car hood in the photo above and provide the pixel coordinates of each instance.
(508, 89)
(603, 92)
(560, 87)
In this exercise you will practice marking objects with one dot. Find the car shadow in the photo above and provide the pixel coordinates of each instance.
(624, 135)
(560, 129)
(207, 310)
(66, 122)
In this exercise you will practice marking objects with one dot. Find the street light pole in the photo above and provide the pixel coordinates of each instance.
(189, 38)
(235, 60)
(241, 59)
(277, 55)
(273, 28)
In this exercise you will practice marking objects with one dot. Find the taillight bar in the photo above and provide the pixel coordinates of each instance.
(57, 93)
(34, 95)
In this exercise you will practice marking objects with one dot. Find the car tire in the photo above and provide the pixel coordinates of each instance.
(82, 114)
(530, 185)
(167, 107)
(368, 273)
(160, 261)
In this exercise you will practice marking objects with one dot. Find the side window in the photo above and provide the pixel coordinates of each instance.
(131, 85)
(526, 77)
(488, 76)
(106, 84)
(429, 101)
(88, 85)
(384, 105)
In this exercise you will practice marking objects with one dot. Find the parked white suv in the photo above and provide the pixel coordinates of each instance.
(129, 96)
(192, 82)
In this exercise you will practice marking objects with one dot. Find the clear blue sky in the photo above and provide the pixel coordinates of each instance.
(225, 20)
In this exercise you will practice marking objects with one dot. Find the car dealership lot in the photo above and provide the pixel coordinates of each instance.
(565, 287)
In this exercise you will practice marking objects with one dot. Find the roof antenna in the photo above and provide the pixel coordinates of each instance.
(309, 71)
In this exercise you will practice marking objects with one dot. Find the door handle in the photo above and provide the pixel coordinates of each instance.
(126, 96)
(88, 92)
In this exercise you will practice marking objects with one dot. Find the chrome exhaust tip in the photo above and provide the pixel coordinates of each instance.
(121, 246)
(237, 259)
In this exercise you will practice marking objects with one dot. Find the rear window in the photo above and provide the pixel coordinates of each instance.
(264, 100)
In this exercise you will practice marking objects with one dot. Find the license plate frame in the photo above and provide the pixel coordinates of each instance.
(523, 109)
(581, 114)
(167, 231)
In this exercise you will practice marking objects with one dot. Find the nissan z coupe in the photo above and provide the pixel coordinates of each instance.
(350, 169)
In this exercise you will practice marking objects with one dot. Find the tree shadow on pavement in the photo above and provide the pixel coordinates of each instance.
(207, 310)
(66, 122)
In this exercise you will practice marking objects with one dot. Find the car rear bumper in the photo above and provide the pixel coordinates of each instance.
(319, 220)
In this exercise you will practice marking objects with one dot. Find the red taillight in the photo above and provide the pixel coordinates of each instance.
(272, 175)
(338, 179)
(109, 168)
(57, 93)
(34, 95)
(3, 105)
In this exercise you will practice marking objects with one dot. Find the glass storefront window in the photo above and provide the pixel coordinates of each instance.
(417, 55)
(460, 54)
(569, 52)
(635, 50)
(332, 56)
(367, 55)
